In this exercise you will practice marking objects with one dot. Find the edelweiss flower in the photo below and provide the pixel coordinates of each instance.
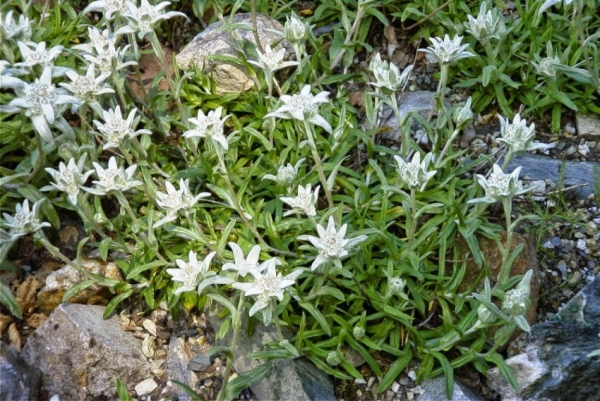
(39, 56)
(68, 178)
(109, 8)
(39, 100)
(286, 175)
(415, 174)
(518, 136)
(114, 178)
(116, 130)
(387, 75)
(447, 51)
(499, 185)
(15, 30)
(195, 275)
(242, 265)
(209, 126)
(486, 25)
(304, 202)
(24, 221)
(86, 87)
(294, 29)
(272, 60)
(331, 244)
(516, 301)
(463, 115)
(267, 285)
(144, 18)
(303, 106)
(396, 286)
(175, 200)
(107, 57)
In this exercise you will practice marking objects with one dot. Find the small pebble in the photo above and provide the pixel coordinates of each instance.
(145, 387)
(395, 387)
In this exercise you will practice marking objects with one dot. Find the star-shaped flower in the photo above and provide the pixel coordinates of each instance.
(68, 178)
(176, 199)
(305, 201)
(113, 178)
(243, 265)
(144, 17)
(116, 130)
(518, 136)
(303, 106)
(209, 126)
(24, 221)
(272, 60)
(499, 185)
(415, 174)
(448, 50)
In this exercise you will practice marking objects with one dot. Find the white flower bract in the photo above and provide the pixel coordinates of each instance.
(113, 178)
(68, 178)
(175, 200)
(209, 126)
(191, 272)
(272, 60)
(115, 130)
(242, 265)
(448, 50)
(286, 175)
(144, 17)
(387, 75)
(415, 174)
(24, 221)
(303, 106)
(488, 24)
(305, 201)
(500, 185)
(518, 136)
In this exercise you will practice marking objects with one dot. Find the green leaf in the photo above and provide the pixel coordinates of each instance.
(448, 373)
(8, 299)
(506, 370)
(188, 390)
(488, 74)
(142, 268)
(77, 288)
(245, 380)
(310, 308)
(122, 391)
(110, 308)
(395, 369)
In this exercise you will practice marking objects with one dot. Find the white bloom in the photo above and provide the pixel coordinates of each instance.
(447, 51)
(113, 178)
(396, 286)
(39, 56)
(69, 178)
(268, 284)
(86, 87)
(499, 185)
(15, 30)
(7, 76)
(109, 59)
(516, 301)
(549, 3)
(518, 136)
(295, 30)
(303, 106)
(305, 201)
(209, 126)
(39, 100)
(272, 60)
(190, 273)
(109, 8)
(387, 75)
(286, 175)
(176, 199)
(415, 174)
(242, 265)
(331, 244)
(487, 24)
(144, 17)
(463, 115)
(24, 221)
(116, 130)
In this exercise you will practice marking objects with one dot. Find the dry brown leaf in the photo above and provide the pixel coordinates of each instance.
(149, 68)
(357, 99)
(27, 291)
(35, 320)
(14, 337)
(5, 320)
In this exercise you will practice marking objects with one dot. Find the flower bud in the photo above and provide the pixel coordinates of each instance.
(333, 358)
(463, 115)
(516, 302)
(286, 175)
(295, 30)
(396, 286)
(358, 332)
(485, 315)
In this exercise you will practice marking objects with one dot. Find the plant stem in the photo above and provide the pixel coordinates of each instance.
(507, 251)
(237, 324)
(317, 159)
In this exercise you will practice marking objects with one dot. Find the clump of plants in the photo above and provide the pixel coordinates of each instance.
(280, 202)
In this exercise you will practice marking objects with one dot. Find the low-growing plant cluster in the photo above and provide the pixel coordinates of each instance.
(281, 202)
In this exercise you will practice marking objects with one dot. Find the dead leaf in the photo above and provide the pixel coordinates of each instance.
(35, 320)
(4, 322)
(27, 291)
(150, 68)
(148, 346)
(357, 99)
(150, 326)
(14, 337)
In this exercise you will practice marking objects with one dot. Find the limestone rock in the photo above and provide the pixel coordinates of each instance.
(60, 281)
(18, 381)
(588, 126)
(288, 379)
(435, 390)
(214, 41)
(81, 355)
(551, 362)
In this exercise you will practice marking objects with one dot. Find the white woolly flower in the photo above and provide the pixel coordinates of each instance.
(113, 178)
(39, 100)
(115, 130)
(110, 8)
(518, 136)
(499, 185)
(516, 301)
(303, 106)
(190, 273)
(209, 126)
(175, 200)
(448, 50)
(331, 244)
(39, 55)
(295, 30)
(24, 221)
(144, 17)
(463, 115)
(286, 175)
(272, 60)
(109, 58)
(304, 202)
(243, 265)
(488, 24)
(415, 174)
(387, 75)
(68, 178)
(86, 87)
(12, 29)
(267, 284)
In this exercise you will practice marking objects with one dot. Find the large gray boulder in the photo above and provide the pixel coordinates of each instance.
(552, 361)
(81, 355)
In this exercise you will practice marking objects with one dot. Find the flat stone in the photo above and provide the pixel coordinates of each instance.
(588, 126)
(200, 363)
(288, 379)
(146, 387)
(214, 41)
(584, 174)
(435, 390)
(178, 360)
(80, 354)
(19, 382)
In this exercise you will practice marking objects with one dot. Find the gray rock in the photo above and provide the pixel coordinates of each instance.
(287, 379)
(81, 355)
(178, 359)
(551, 362)
(214, 41)
(435, 390)
(588, 126)
(537, 167)
(19, 382)
(200, 363)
